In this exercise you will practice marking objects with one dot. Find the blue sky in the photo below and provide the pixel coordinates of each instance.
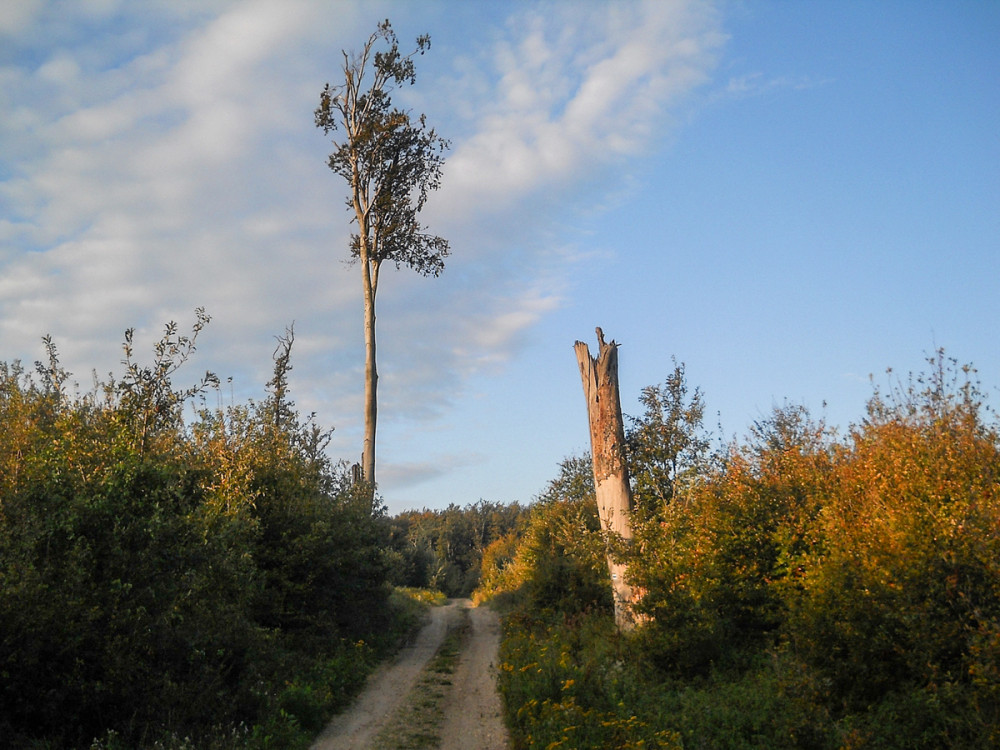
(788, 197)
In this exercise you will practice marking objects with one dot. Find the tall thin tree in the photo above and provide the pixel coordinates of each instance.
(391, 161)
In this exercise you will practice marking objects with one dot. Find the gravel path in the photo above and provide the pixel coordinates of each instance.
(472, 714)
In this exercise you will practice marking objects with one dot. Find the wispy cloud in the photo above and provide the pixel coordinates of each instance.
(14, 17)
(160, 156)
(403, 475)
(578, 89)
(166, 181)
(756, 84)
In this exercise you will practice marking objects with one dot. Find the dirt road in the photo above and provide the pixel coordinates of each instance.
(471, 709)
(473, 713)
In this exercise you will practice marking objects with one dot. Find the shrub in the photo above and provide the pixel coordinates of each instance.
(558, 561)
(905, 588)
(802, 591)
(167, 579)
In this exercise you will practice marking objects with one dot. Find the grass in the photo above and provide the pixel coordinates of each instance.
(432, 597)
(417, 724)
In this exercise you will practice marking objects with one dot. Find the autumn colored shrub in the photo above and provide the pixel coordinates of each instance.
(497, 558)
(558, 561)
(902, 597)
(708, 562)
(801, 589)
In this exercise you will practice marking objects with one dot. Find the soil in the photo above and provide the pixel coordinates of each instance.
(473, 713)
(471, 707)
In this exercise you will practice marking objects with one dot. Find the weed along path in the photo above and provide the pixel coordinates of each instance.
(439, 694)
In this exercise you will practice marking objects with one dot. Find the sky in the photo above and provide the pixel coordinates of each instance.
(787, 197)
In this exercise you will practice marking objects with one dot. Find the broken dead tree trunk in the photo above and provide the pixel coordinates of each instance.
(607, 450)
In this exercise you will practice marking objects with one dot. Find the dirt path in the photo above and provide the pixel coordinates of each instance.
(472, 715)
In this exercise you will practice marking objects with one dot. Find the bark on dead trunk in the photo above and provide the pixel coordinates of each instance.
(607, 450)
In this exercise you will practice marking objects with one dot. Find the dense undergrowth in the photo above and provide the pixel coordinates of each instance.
(177, 576)
(211, 581)
(800, 590)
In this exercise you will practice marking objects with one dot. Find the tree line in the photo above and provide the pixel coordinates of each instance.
(443, 549)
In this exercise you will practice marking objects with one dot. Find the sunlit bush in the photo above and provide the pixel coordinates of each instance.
(904, 590)
(802, 590)
(558, 561)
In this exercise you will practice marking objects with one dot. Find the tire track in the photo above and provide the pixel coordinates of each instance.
(470, 711)
(357, 726)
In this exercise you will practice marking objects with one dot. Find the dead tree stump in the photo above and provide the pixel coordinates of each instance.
(607, 450)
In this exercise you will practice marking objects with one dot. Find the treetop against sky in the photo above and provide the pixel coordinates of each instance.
(785, 197)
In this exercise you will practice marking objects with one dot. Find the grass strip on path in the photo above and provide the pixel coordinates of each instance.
(416, 725)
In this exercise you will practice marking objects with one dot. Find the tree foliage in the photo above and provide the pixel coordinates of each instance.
(391, 162)
(167, 575)
(444, 549)
(802, 589)
(667, 445)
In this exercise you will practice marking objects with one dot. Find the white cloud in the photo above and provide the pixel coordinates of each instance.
(756, 84)
(130, 202)
(163, 158)
(579, 88)
(17, 15)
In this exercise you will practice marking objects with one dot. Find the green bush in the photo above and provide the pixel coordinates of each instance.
(557, 560)
(164, 579)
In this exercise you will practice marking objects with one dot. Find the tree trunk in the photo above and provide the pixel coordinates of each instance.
(607, 449)
(371, 377)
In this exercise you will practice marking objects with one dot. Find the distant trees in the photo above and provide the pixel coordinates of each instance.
(390, 161)
(443, 549)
